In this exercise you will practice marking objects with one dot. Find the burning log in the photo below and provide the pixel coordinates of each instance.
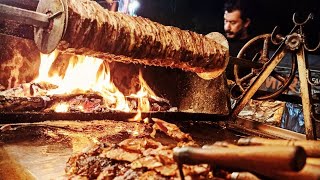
(113, 36)
(9, 104)
(156, 103)
(34, 97)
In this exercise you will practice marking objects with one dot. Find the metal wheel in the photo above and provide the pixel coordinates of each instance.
(48, 38)
(257, 49)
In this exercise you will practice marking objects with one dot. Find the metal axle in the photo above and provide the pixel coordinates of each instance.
(24, 16)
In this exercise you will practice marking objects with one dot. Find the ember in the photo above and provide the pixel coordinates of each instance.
(81, 85)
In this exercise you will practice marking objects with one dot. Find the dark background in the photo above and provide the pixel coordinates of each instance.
(204, 16)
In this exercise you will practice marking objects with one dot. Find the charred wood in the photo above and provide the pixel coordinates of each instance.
(12, 104)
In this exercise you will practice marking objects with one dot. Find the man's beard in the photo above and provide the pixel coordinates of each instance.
(237, 35)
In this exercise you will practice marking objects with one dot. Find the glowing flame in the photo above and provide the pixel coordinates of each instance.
(45, 65)
(143, 94)
(89, 75)
(62, 107)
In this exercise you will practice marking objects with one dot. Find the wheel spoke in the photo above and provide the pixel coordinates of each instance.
(265, 50)
(279, 77)
(246, 77)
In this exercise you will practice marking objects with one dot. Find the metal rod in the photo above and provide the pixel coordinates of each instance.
(261, 129)
(245, 63)
(27, 117)
(305, 95)
(24, 16)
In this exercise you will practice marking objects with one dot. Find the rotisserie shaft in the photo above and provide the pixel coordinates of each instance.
(114, 36)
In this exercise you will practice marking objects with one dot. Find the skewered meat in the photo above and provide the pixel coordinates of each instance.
(114, 36)
(149, 162)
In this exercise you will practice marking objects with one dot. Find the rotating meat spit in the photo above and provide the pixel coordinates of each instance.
(293, 43)
(157, 40)
(85, 28)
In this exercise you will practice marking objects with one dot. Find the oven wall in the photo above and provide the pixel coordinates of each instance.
(19, 61)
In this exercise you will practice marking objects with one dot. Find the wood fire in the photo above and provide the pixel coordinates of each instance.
(78, 84)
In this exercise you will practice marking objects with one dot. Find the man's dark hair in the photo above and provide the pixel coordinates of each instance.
(242, 6)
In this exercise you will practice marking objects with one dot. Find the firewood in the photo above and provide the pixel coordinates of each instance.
(156, 103)
(15, 104)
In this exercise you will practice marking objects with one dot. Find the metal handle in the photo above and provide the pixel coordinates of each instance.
(282, 158)
(24, 16)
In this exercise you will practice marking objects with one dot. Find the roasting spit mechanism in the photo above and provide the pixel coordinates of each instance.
(49, 21)
(85, 28)
(295, 44)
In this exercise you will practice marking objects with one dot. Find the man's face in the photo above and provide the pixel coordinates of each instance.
(234, 26)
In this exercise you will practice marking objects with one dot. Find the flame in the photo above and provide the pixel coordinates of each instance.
(137, 117)
(45, 65)
(143, 94)
(62, 107)
(90, 75)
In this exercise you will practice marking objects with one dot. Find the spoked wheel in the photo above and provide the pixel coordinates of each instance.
(257, 49)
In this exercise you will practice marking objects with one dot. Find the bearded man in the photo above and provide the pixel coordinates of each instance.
(236, 24)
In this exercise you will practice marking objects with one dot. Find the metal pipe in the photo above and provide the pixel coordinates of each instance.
(24, 16)
(305, 95)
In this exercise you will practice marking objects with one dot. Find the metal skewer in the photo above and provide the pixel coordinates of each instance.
(49, 21)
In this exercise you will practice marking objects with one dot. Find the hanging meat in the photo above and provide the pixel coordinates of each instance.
(114, 36)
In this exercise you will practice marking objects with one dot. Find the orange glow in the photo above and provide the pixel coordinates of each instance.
(143, 94)
(84, 75)
(62, 107)
(137, 117)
